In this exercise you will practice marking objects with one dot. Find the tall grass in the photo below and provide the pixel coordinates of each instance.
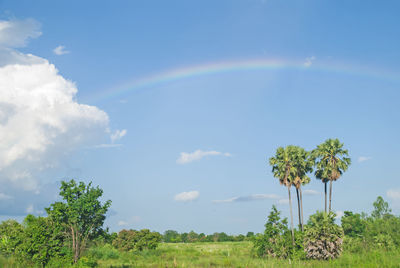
(220, 254)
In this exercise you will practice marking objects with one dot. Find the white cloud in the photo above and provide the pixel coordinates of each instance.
(40, 118)
(339, 214)
(363, 159)
(15, 33)
(117, 135)
(30, 209)
(60, 50)
(185, 158)
(252, 197)
(122, 223)
(108, 145)
(309, 61)
(187, 196)
(311, 192)
(393, 194)
(5, 197)
(283, 201)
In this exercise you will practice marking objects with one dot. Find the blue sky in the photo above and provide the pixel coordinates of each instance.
(190, 152)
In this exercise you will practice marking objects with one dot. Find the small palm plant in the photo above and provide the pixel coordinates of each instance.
(331, 162)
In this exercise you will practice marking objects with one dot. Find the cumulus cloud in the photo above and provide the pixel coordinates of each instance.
(5, 197)
(187, 196)
(253, 197)
(40, 118)
(15, 33)
(393, 194)
(60, 50)
(117, 135)
(363, 159)
(185, 158)
(311, 192)
(309, 61)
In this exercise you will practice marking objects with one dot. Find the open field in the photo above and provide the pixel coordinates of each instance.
(221, 254)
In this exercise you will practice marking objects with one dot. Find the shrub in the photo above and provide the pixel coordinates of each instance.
(130, 240)
(323, 238)
(276, 240)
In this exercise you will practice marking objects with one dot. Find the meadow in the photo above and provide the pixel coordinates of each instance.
(218, 254)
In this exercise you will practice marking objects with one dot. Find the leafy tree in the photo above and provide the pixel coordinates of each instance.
(282, 168)
(42, 241)
(11, 236)
(323, 238)
(132, 240)
(331, 162)
(171, 236)
(81, 215)
(275, 241)
(381, 208)
(353, 224)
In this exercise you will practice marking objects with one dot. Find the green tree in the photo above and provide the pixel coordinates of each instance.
(331, 162)
(11, 236)
(132, 240)
(381, 208)
(353, 224)
(42, 241)
(283, 166)
(81, 215)
(275, 241)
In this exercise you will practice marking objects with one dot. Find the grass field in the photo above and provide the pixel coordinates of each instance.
(225, 254)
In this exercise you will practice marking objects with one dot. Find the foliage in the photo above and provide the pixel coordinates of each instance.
(381, 208)
(276, 240)
(323, 238)
(11, 236)
(42, 241)
(132, 240)
(81, 215)
(353, 224)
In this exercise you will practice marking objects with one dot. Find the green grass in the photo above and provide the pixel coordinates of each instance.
(226, 254)
(237, 254)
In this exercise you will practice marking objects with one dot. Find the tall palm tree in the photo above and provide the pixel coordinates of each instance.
(282, 168)
(331, 162)
(303, 164)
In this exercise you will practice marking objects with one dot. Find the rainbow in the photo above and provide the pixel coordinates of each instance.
(171, 75)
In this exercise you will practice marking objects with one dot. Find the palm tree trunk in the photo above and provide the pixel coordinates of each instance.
(330, 195)
(325, 196)
(291, 214)
(301, 204)
(298, 207)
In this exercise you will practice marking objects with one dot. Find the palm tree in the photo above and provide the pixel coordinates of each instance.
(331, 162)
(303, 164)
(282, 168)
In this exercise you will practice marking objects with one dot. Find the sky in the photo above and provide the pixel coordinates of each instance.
(173, 108)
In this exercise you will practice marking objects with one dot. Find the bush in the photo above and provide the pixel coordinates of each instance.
(323, 238)
(277, 240)
(130, 240)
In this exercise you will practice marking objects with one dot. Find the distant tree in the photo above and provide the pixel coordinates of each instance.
(249, 234)
(331, 162)
(192, 237)
(81, 215)
(171, 236)
(184, 237)
(381, 208)
(353, 224)
(132, 240)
